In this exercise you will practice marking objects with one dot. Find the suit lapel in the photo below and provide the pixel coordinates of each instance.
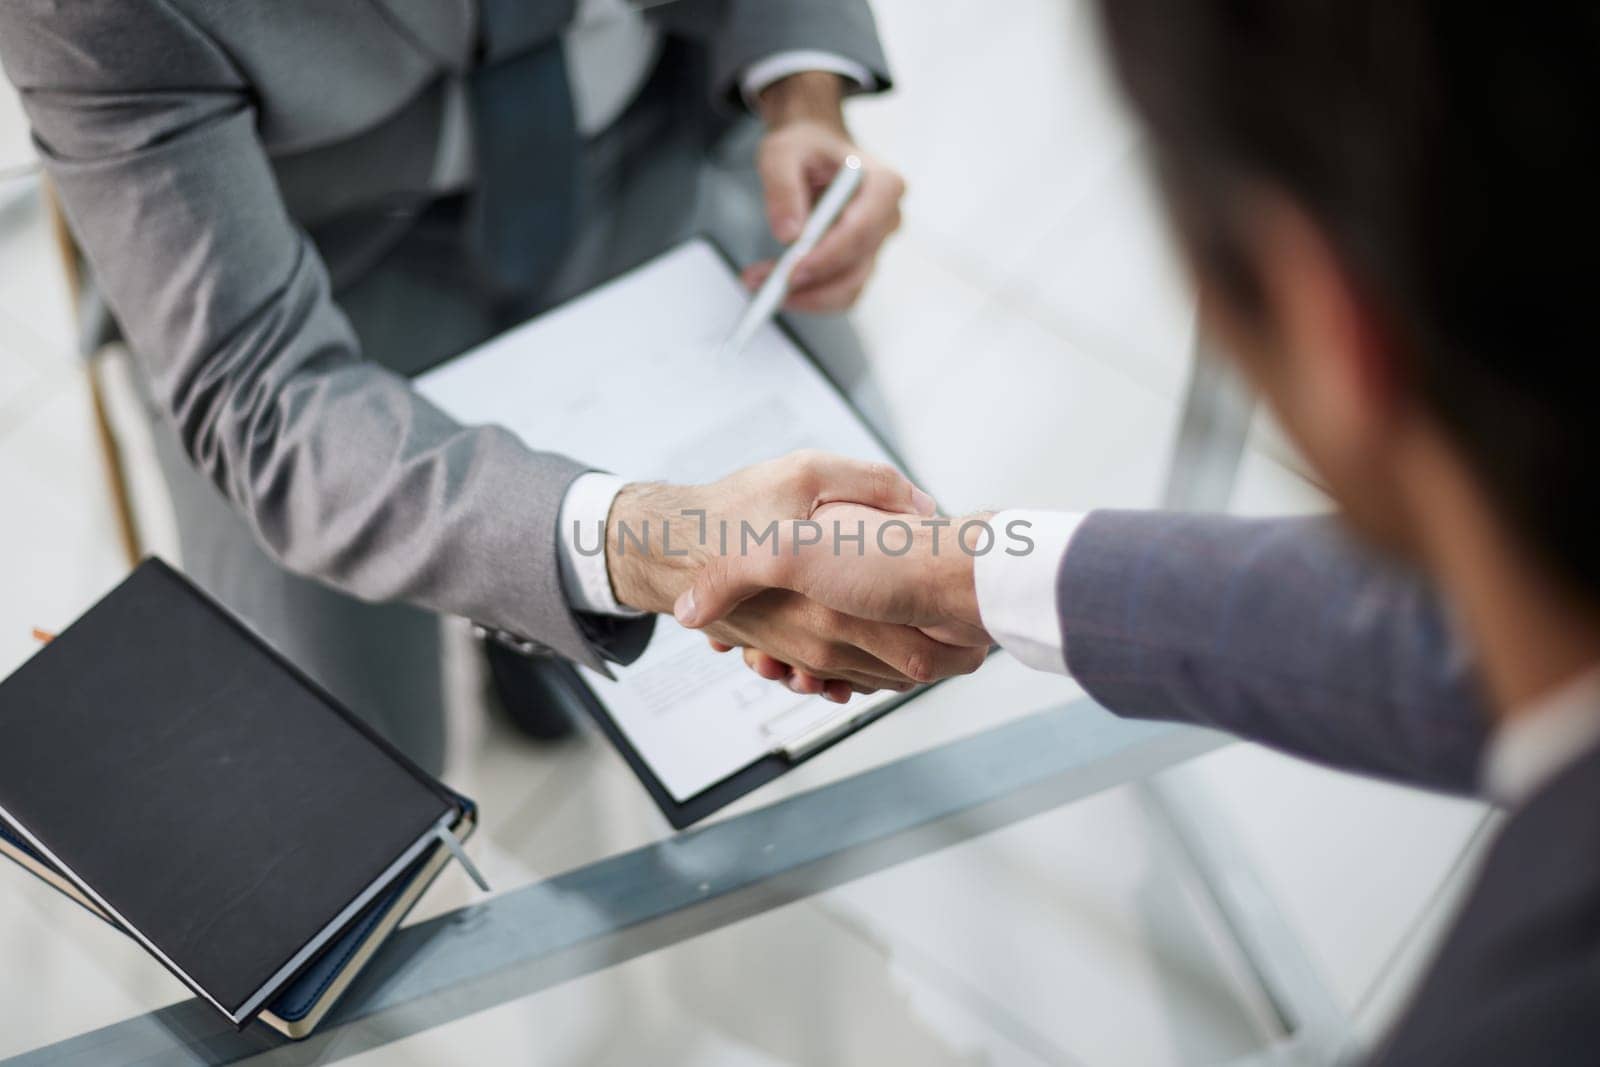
(1517, 970)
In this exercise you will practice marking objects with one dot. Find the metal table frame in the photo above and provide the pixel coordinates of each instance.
(1209, 450)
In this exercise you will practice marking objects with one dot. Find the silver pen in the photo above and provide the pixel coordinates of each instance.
(775, 289)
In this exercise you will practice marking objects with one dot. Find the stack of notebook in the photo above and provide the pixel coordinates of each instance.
(166, 769)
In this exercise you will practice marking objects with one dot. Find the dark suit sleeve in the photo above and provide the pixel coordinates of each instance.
(341, 470)
(1279, 631)
(740, 33)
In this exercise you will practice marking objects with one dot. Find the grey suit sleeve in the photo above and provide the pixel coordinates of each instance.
(340, 469)
(740, 33)
(1280, 631)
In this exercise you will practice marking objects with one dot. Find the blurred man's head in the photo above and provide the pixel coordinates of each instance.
(1392, 210)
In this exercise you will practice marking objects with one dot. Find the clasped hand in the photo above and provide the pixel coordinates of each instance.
(912, 570)
(748, 560)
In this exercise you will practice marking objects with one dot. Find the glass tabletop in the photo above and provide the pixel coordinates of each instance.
(586, 873)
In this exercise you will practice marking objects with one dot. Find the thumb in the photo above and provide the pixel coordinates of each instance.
(958, 634)
(783, 183)
(877, 485)
(716, 591)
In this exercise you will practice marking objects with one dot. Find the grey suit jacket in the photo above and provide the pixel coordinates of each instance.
(194, 142)
(1283, 632)
(1517, 978)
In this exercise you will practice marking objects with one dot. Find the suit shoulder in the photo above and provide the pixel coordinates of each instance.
(1538, 1019)
(1515, 980)
(108, 45)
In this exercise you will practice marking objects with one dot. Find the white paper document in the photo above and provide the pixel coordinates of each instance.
(628, 379)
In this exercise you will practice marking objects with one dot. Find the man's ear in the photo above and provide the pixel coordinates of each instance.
(1338, 381)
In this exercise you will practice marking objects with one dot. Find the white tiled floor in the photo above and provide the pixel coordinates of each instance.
(1033, 305)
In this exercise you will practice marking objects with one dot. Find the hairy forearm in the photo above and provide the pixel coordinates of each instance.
(653, 547)
(812, 96)
(642, 576)
(952, 579)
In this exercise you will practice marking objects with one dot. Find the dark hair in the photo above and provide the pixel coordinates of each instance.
(1447, 150)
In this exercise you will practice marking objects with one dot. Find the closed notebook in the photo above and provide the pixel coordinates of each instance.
(203, 795)
(296, 1009)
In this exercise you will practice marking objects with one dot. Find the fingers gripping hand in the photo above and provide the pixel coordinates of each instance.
(905, 604)
(823, 642)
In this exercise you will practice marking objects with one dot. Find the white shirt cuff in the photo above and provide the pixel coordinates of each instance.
(1017, 593)
(581, 536)
(780, 65)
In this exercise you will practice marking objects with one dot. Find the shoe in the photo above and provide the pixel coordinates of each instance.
(532, 692)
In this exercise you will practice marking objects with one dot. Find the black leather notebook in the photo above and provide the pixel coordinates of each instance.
(221, 807)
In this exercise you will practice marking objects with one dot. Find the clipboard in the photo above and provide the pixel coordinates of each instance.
(814, 732)
(747, 779)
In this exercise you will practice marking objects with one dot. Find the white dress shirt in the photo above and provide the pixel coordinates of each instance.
(584, 576)
(1542, 740)
(1017, 594)
(611, 49)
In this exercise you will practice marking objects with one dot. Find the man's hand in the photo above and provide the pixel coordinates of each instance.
(910, 570)
(661, 540)
(805, 145)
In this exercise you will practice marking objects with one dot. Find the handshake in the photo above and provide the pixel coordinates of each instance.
(833, 575)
